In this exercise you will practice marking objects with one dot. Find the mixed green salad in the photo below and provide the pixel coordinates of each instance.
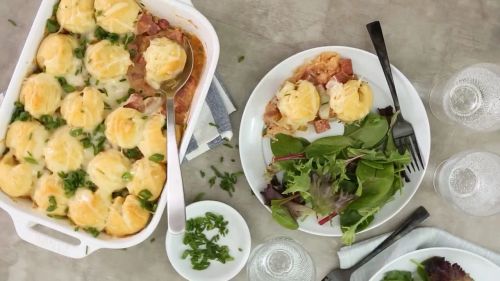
(432, 269)
(351, 175)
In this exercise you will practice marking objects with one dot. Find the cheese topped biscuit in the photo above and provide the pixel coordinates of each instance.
(16, 179)
(83, 109)
(63, 152)
(55, 54)
(124, 127)
(41, 94)
(76, 15)
(165, 59)
(117, 16)
(105, 60)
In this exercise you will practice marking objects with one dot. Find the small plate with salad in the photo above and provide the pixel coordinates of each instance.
(316, 145)
(439, 264)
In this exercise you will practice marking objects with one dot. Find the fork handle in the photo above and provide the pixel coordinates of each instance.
(375, 31)
(176, 211)
(418, 216)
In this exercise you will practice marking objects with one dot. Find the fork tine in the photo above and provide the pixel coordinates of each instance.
(415, 146)
(409, 146)
(401, 148)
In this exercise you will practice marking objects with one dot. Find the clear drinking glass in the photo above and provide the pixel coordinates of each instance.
(470, 98)
(280, 258)
(469, 180)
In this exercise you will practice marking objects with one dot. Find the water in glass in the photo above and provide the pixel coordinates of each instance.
(280, 258)
(469, 180)
(471, 97)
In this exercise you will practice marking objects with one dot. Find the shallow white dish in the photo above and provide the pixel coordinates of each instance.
(478, 267)
(28, 223)
(238, 237)
(255, 151)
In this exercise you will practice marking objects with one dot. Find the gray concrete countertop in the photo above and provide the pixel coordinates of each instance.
(425, 39)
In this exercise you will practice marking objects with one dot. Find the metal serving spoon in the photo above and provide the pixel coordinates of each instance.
(176, 209)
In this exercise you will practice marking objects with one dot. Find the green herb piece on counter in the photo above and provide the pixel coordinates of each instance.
(72, 180)
(240, 249)
(12, 22)
(202, 250)
(133, 153)
(152, 240)
(202, 173)
(212, 180)
(213, 125)
(221, 159)
(52, 122)
(227, 145)
(92, 231)
(227, 180)
(398, 275)
(199, 196)
(30, 159)
(52, 204)
(65, 85)
(52, 26)
(157, 157)
(241, 59)
(127, 176)
(19, 113)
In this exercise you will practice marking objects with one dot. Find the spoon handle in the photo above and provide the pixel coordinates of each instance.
(176, 211)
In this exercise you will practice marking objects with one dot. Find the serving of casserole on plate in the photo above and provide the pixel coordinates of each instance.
(84, 124)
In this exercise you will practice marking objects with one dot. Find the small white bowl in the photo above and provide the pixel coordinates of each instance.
(238, 240)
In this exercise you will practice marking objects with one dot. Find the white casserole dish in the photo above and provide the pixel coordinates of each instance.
(29, 223)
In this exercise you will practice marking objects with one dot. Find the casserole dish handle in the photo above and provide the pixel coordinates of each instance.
(27, 231)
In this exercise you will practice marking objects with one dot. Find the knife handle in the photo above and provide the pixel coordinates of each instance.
(418, 216)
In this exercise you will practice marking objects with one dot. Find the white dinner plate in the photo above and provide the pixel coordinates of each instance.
(255, 151)
(479, 268)
(238, 240)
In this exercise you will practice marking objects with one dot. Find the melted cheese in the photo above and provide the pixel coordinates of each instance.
(118, 16)
(76, 15)
(147, 175)
(124, 127)
(105, 60)
(63, 152)
(41, 94)
(83, 109)
(298, 103)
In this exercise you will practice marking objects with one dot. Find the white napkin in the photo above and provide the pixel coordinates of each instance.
(213, 127)
(420, 238)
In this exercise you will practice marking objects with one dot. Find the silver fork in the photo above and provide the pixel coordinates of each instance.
(176, 211)
(402, 132)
